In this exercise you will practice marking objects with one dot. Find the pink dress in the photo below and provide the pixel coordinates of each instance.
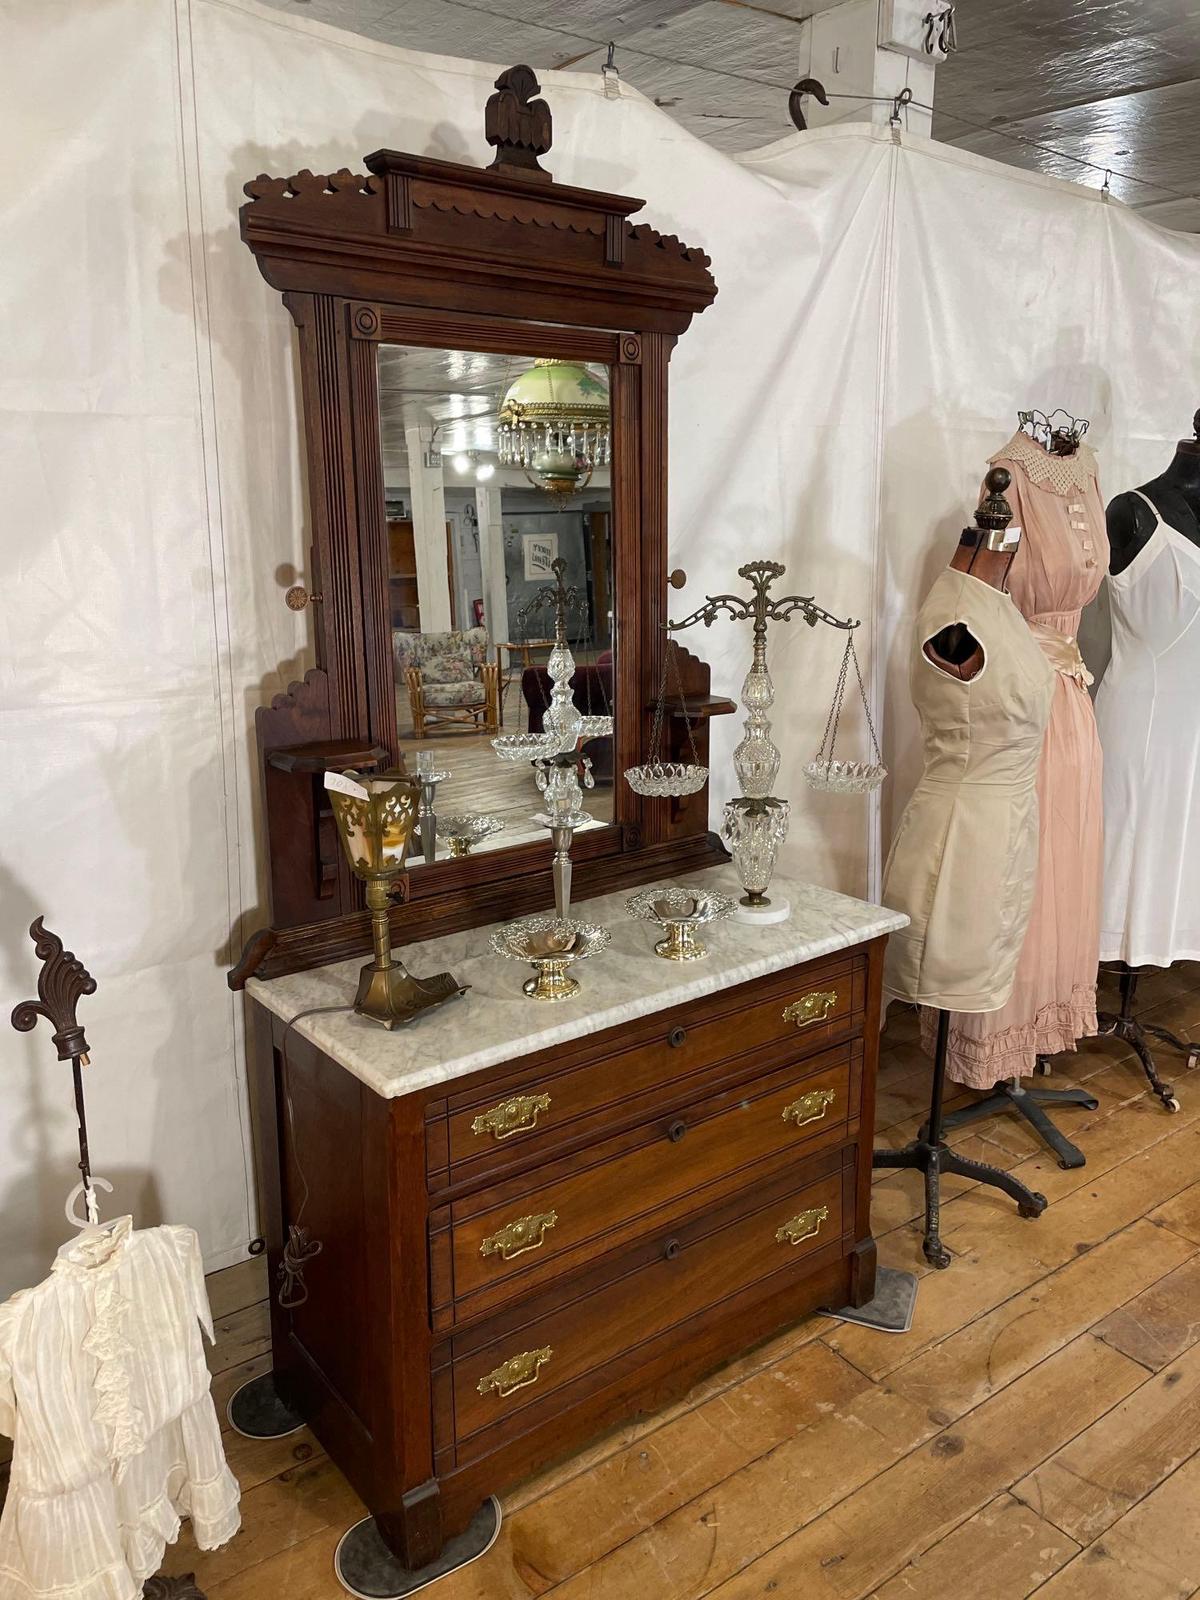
(1058, 568)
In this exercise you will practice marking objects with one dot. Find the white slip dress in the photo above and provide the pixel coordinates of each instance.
(1148, 714)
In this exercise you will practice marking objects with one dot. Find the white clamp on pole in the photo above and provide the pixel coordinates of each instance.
(612, 78)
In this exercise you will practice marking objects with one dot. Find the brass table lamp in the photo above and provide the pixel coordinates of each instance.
(375, 818)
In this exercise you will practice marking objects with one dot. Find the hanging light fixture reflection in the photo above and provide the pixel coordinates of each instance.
(554, 425)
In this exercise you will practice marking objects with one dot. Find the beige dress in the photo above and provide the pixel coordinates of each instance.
(1058, 568)
(963, 861)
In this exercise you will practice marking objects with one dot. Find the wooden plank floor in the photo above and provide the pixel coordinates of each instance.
(1037, 1432)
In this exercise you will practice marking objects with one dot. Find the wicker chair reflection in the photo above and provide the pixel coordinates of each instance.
(451, 679)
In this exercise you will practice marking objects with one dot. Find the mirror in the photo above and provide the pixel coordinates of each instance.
(494, 467)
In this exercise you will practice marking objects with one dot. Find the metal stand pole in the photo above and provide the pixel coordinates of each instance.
(929, 1154)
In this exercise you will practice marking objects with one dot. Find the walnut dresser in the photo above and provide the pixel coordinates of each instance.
(536, 1220)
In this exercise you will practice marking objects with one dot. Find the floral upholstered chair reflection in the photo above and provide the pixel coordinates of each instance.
(450, 679)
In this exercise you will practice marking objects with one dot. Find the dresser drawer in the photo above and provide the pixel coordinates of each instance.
(559, 1345)
(638, 1069)
(512, 1237)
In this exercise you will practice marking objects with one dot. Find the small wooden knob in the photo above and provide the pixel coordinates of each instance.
(678, 577)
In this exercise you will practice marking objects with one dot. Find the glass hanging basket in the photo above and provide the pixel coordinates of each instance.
(824, 772)
(659, 779)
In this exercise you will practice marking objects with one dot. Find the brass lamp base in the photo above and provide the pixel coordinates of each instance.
(392, 996)
(681, 944)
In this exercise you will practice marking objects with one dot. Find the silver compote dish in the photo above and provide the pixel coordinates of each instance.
(468, 828)
(550, 945)
(680, 912)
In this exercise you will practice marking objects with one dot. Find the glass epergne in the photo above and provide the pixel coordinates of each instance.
(846, 777)
(754, 828)
(680, 911)
(661, 779)
(550, 945)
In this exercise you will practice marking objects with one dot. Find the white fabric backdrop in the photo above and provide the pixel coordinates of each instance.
(884, 309)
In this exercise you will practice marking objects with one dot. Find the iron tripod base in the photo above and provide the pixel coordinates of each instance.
(1124, 1025)
(1028, 1103)
(929, 1154)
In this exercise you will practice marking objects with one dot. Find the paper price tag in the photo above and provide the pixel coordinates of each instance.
(344, 785)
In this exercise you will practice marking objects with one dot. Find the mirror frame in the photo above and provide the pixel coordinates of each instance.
(419, 251)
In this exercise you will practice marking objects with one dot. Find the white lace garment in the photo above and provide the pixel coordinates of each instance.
(105, 1393)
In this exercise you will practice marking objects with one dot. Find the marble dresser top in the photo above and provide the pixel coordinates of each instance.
(495, 1022)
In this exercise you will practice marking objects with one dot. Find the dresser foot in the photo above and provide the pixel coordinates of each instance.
(366, 1567)
(256, 1411)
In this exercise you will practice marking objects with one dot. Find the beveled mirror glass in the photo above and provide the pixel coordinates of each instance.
(494, 466)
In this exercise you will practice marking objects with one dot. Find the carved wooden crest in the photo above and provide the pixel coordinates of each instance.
(521, 129)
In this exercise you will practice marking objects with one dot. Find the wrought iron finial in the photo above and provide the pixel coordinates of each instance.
(520, 128)
(559, 594)
(994, 511)
(62, 982)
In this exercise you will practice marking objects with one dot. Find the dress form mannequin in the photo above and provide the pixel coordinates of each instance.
(1175, 494)
(1132, 523)
(985, 552)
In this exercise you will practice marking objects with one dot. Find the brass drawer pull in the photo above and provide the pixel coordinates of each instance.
(518, 1372)
(517, 1115)
(810, 1107)
(515, 1238)
(805, 1226)
(810, 1008)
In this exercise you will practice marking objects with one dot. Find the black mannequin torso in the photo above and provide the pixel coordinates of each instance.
(1175, 495)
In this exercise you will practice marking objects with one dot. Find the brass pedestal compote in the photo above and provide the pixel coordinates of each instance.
(550, 945)
(375, 818)
(680, 912)
(468, 829)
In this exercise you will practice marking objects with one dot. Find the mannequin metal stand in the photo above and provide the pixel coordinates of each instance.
(1124, 1025)
(1028, 1103)
(930, 1154)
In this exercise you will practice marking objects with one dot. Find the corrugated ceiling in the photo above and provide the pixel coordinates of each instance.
(1112, 82)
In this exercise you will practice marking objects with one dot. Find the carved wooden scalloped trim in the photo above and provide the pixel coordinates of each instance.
(508, 211)
(643, 232)
(313, 688)
(305, 185)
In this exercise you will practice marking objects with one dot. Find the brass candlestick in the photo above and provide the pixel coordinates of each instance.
(375, 818)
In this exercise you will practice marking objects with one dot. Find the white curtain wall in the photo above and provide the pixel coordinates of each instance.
(884, 309)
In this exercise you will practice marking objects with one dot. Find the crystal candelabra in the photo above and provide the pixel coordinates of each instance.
(556, 755)
(756, 822)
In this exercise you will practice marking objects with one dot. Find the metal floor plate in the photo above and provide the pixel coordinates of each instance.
(366, 1568)
(891, 1311)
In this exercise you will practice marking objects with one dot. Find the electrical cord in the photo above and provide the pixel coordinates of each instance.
(299, 1248)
